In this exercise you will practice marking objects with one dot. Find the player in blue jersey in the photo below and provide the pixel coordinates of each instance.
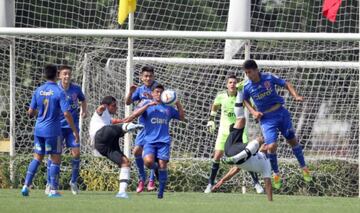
(272, 115)
(74, 95)
(138, 94)
(157, 137)
(48, 101)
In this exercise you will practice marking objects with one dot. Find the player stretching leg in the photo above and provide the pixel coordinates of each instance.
(272, 115)
(74, 95)
(137, 94)
(105, 137)
(48, 101)
(157, 136)
(226, 101)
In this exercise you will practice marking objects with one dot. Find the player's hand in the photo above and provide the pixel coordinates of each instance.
(257, 115)
(211, 126)
(133, 88)
(217, 186)
(117, 121)
(299, 98)
(77, 137)
(84, 114)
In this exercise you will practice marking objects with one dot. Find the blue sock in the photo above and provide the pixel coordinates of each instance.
(140, 165)
(163, 176)
(273, 162)
(214, 169)
(297, 150)
(152, 175)
(75, 164)
(34, 164)
(48, 164)
(54, 176)
(254, 177)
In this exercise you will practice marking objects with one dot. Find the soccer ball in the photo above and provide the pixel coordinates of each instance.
(168, 97)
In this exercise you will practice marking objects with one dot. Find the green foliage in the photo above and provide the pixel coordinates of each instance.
(331, 177)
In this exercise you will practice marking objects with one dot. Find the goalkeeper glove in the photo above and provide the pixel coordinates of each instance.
(211, 126)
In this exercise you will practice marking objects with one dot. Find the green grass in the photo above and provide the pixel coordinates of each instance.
(103, 202)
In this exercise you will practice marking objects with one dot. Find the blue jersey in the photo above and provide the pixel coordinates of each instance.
(156, 121)
(263, 93)
(50, 101)
(73, 96)
(143, 92)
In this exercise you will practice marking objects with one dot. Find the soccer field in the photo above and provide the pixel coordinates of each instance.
(12, 201)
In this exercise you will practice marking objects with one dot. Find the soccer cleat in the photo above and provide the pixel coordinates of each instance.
(54, 194)
(127, 127)
(151, 186)
(47, 189)
(227, 160)
(259, 189)
(122, 195)
(276, 183)
(25, 191)
(140, 186)
(160, 196)
(74, 189)
(208, 189)
(306, 175)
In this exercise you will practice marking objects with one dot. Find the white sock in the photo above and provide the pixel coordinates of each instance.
(124, 178)
(252, 147)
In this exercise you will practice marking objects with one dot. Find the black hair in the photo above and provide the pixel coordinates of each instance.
(147, 68)
(250, 64)
(159, 86)
(50, 72)
(231, 76)
(64, 67)
(108, 100)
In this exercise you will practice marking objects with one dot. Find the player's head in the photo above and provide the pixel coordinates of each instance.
(231, 83)
(50, 72)
(65, 73)
(110, 103)
(147, 75)
(251, 69)
(156, 92)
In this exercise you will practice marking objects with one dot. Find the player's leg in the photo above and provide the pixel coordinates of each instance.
(219, 152)
(151, 185)
(163, 154)
(137, 152)
(266, 173)
(53, 146)
(39, 151)
(75, 161)
(288, 132)
(117, 156)
(269, 125)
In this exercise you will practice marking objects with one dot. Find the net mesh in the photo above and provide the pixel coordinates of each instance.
(326, 123)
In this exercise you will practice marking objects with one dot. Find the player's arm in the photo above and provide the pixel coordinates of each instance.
(64, 105)
(239, 111)
(83, 108)
(268, 188)
(138, 112)
(181, 111)
(33, 106)
(293, 92)
(129, 97)
(211, 123)
(257, 115)
(233, 171)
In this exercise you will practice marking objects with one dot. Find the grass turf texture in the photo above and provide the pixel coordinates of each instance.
(12, 201)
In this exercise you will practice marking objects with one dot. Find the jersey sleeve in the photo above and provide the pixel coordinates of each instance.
(64, 103)
(277, 80)
(246, 94)
(136, 95)
(174, 113)
(218, 100)
(81, 95)
(33, 103)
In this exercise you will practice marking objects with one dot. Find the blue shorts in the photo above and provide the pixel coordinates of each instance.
(160, 150)
(139, 140)
(47, 145)
(273, 122)
(68, 137)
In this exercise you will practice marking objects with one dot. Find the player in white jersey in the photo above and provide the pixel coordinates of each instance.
(105, 133)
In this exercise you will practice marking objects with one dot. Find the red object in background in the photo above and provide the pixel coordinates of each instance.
(330, 9)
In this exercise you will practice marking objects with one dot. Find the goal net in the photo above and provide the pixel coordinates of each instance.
(327, 123)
